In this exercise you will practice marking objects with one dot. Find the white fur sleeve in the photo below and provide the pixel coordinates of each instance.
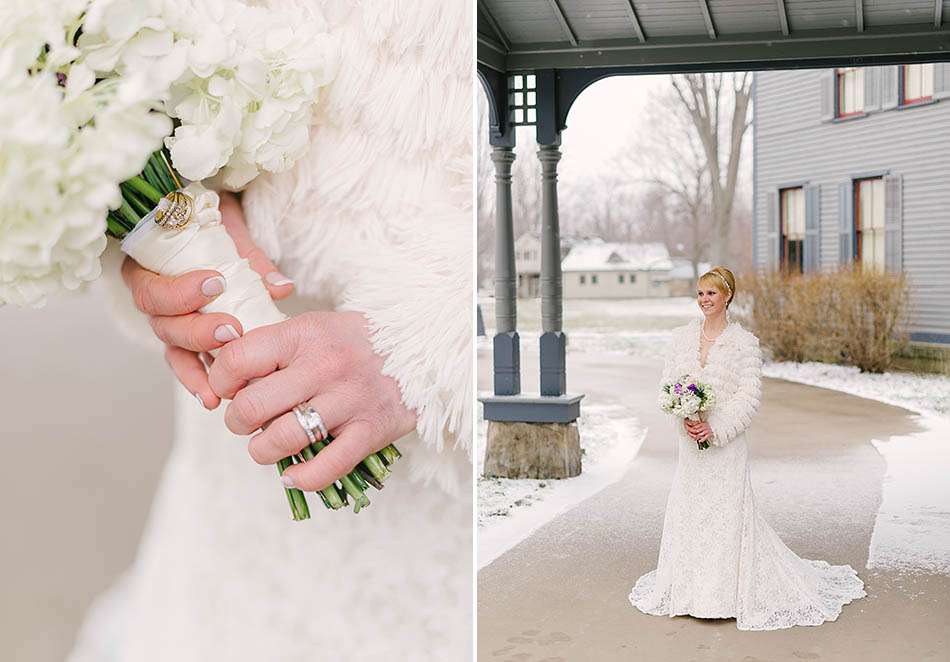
(416, 290)
(731, 417)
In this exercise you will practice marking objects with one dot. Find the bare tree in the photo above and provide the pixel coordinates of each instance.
(673, 167)
(603, 204)
(717, 106)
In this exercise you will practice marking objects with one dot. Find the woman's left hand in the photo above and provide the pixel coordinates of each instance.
(326, 359)
(700, 430)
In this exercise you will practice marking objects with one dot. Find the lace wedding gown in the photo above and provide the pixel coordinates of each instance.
(719, 558)
(375, 218)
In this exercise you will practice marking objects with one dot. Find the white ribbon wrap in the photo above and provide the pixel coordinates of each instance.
(204, 243)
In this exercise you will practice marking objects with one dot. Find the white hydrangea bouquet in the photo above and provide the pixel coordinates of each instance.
(685, 398)
(115, 111)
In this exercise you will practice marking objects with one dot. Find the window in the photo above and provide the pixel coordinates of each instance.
(633, 278)
(917, 83)
(522, 99)
(583, 279)
(593, 279)
(620, 278)
(849, 95)
(869, 223)
(793, 228)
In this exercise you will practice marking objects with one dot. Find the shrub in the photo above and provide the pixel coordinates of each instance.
(851, 316)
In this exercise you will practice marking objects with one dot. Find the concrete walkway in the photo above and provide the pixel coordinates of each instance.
(561, 595)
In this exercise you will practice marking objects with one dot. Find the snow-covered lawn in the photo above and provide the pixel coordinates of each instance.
(912, 530)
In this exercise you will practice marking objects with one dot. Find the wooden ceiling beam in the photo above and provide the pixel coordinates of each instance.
(707, 17)
(562, 19)
(783, 16)
(493, 24)
(632, 14)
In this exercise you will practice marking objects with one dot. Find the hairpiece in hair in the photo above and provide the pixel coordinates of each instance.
(724, 282)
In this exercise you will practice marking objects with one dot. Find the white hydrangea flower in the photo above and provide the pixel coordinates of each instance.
(59, 173)
(242, 81)
(665, 401)
(246, 102)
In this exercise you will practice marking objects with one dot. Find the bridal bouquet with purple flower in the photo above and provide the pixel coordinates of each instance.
(119, 119)
(687, 398)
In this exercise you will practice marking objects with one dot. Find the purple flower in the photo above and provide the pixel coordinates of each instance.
(678, 389)
(692, 387)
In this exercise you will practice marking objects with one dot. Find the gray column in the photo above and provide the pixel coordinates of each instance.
(553, 340)
(507, 354)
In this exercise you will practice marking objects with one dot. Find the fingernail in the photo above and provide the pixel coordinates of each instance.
(287, 481)
(277, 278)
(200, 401)
(213, 286)
(225, 332)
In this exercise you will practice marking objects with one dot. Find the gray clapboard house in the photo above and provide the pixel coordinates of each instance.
(852, 165)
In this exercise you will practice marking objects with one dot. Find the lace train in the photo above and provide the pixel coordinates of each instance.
(719, 558)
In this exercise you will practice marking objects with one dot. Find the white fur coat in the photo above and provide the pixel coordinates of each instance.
(733, 370)
(377, 216)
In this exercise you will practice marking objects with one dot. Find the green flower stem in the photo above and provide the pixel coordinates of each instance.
(357, 478)
(126, 211)
(330, 495)
(115, 228)
(360, 500)
(389, 454)
(161, 169)
(368, 477)
(128, 194)
(154, 174)
(296, 499)
(376, 467)
(143, 187)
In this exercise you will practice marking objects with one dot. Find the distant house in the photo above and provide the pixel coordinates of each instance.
(682, 279)
(597, 269)
(853, 166)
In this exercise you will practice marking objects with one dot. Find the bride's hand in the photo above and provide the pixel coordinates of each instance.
(172, 305)
(697, 429)
(326, 359)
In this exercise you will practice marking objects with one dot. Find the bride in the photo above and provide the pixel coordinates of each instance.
(372, 232)
(719, 558)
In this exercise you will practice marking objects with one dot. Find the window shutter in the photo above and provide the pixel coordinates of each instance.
(810, 258)
(889, 87)
(772, 234)
(845, 224)
(827, 94)
(872, 89)
(893, 221)
(941, 80)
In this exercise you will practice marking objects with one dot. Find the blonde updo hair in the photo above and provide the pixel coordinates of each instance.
(723, 280)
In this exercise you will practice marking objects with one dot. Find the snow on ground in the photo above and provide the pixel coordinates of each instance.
(509, 510)
(921, 393)
(912, 528)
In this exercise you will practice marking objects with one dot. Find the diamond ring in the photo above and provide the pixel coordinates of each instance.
(311, 422)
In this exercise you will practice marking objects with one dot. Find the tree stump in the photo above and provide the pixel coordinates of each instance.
(532, 450)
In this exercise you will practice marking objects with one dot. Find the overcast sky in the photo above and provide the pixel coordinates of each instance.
(602, 116)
